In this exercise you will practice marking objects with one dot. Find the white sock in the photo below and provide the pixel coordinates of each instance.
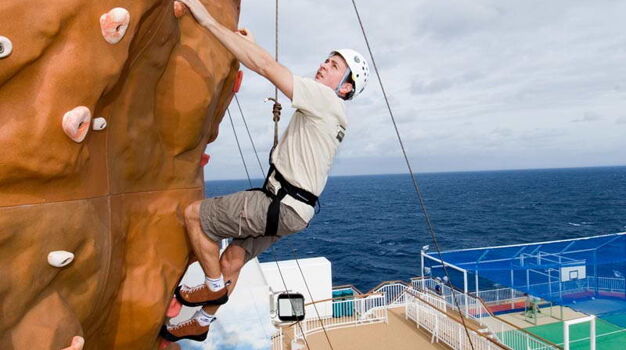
(203, 318)
(215, 284)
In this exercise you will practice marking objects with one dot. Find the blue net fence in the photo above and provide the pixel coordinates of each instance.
(564, 272)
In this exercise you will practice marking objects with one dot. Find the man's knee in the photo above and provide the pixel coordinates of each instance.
(192, 212)
(233, 259)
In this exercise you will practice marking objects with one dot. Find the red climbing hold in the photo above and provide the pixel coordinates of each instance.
(174, 308)
(238, 80)
(204, 160)
(164, 344)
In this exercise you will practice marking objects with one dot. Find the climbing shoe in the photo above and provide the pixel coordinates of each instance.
(189, 329)
(201, 295)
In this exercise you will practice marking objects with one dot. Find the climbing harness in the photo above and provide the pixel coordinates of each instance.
(273, 211)
(422, 205)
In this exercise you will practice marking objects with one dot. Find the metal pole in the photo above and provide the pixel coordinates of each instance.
(465, 290)
(592, 333)
(476, 281)
(566, 336)
(422, 262)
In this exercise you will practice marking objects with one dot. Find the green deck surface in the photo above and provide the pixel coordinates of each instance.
(608, 335)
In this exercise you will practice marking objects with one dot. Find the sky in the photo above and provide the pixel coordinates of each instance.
(473, 85)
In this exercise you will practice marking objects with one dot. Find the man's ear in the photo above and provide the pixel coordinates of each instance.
(346, 88)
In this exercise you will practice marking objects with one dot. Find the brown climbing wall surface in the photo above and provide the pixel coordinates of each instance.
(115, 199)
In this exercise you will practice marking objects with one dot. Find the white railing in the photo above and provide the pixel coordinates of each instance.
(499, 296)
(443, 328)
(277, 340)
(609, 284)
(473, 308)
(393, 291)
(467, 305)
(428, 307)
(351, 312)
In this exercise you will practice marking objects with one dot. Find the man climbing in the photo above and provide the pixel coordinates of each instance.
(299, 170)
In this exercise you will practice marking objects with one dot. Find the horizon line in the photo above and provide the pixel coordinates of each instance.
(445, 172)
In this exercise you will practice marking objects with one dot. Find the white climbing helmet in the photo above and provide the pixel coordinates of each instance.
(358, 67)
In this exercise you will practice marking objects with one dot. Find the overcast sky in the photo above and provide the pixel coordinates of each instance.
(474, 85)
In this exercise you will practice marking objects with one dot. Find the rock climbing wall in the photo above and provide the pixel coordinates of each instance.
(105, 111)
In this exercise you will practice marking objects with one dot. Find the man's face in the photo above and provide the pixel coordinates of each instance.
(331, 71)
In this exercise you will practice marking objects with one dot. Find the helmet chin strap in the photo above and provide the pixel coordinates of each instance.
(343, 80)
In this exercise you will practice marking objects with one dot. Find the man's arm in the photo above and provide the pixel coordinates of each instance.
(245, 49)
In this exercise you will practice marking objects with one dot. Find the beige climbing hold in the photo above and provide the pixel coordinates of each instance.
(76, 123)
(77, 343)
(6, 47)
(114, 24)
(180, 9)
(99, 124)
(60, 258)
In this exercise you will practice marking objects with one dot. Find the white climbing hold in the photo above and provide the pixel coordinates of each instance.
(99, 124)
(60, 258)
(6, 47)
(78, 343)
(76, 123)
(114, 24)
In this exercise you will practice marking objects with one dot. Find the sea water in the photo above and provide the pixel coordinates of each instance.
(372, 229)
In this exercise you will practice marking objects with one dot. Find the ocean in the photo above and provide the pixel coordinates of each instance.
(371, 227)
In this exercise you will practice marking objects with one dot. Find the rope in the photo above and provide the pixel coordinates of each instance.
(239, 147)
(276, 116)
(250, 136)
(293, 255)
(422, 205)
(282, 278)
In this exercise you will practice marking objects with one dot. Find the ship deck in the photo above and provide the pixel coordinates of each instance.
(398, 333)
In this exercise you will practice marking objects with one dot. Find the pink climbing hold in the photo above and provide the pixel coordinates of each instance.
(76, 123)
(174, 308)
(114, 24)
(180, 9)
(204, 159)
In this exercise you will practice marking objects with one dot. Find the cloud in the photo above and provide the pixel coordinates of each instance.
(588, 117)
(620, 120)
(460, 74)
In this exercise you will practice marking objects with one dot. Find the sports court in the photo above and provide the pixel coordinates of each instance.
(539, 286)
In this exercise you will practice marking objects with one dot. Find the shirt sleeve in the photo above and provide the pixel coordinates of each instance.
(314, 99)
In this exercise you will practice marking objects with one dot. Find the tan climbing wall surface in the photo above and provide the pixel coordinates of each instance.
(105, 110)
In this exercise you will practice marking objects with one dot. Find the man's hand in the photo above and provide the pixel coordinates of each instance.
(245, 33)
(199, 12)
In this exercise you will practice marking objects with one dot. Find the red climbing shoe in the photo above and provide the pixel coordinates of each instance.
(201, 295)
(189, 329)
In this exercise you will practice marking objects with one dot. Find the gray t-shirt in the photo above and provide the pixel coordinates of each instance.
(306, 150)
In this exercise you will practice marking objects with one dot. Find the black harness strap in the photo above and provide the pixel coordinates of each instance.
(273, 212)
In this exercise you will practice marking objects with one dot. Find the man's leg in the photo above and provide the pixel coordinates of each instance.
(206, 250)
(231, 262)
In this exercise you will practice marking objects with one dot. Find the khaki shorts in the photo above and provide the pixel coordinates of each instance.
(242, 216)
